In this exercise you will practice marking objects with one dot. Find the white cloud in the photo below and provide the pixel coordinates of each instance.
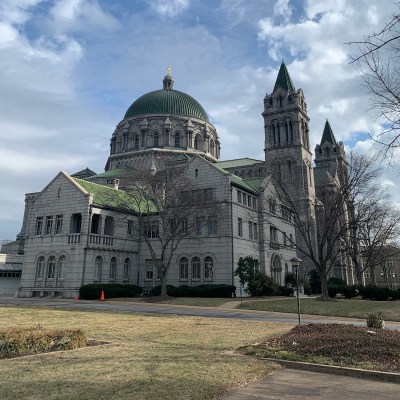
(283, 8)
(17, 11)
(80, 15)
(7, 34)
(71, 68)
(169, 8)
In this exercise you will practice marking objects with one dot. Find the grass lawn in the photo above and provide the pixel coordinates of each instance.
(342, 308)
(153, 357)
(185, 301)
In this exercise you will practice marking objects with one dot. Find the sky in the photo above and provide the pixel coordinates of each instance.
(69, 70)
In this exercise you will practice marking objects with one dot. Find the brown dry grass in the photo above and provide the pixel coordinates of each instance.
(154, 357)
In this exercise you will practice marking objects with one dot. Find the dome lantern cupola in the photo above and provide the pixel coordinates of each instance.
(168, 82)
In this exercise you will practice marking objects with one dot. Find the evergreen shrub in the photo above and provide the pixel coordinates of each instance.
(378, 293)
(375, 321)
(196, 291)
(285, 291)
(93, 291)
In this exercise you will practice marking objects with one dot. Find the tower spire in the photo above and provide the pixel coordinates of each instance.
(283, 80)
(328, 135)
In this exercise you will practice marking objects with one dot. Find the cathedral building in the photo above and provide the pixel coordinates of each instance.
(78, 229)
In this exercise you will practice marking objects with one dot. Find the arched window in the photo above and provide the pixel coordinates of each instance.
(113, 269)
(278, 171)
(197, 142)
(62, 262)
(278, 133)
(291, 131)
(98, 266)
(40, 267)
(212, 147)
(51, 267)
(156, 139)
(127, 268)
(183, 268)
(177, 139)
(136, 141)
(287, 132)
(119, 144)
(196, 268)
(208, 268)
(274, 134)
(276, 270)
(290, 171)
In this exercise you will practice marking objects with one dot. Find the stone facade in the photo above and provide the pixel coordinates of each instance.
(74, 233)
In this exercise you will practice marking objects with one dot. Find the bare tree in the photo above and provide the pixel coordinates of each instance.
(171, 208)
(317, 232)
(377, 58)
(320, 235)
(378, 225)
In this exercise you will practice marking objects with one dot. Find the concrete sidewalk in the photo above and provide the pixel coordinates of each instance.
(304, 385)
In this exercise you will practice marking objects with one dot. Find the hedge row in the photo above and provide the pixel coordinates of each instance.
(370, 292)
(93, 291)
(285, 291)
(196, 291)
(19, 342)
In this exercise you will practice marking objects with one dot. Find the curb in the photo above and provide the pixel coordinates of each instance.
(344, 371)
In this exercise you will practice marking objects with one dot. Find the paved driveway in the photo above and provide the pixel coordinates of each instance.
(304, 385)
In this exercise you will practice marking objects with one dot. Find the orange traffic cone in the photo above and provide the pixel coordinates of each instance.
(102, 295)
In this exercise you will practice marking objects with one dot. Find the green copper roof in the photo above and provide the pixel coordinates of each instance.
(115, 173)
(84, 173)
(167, 102)
(108, 197)
(240, 162)
(283, 80)
(254, 183)
(236, 180)
(328, 135)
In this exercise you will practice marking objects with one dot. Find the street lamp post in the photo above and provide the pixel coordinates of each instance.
(295, 264)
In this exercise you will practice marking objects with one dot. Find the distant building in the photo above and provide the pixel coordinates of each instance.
(386, 268)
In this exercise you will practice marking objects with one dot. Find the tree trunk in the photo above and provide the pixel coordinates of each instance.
(163, 285)
(359, 274)
(324, 286)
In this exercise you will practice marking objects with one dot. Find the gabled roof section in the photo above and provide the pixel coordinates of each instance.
(283, 80)
(254, 183)
(328, 135)
(105, 196)
(115, 173)
(237, 181)
(85, 173)
(239, 162)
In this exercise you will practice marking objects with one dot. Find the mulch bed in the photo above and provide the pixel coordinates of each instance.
(343, 345)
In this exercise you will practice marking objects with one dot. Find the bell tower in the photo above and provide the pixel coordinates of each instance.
(287, 149)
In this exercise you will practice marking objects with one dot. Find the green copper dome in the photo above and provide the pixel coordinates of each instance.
(167, 102)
